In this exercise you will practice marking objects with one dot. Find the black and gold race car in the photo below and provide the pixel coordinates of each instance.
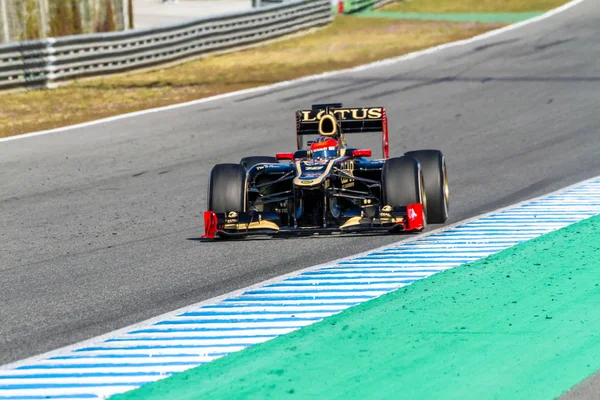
(328, 186)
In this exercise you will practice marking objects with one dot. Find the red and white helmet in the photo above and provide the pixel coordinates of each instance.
(324, 147)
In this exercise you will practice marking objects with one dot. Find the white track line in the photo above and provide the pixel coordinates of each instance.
(325, 75)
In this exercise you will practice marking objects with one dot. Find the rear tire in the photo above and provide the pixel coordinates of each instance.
(251, 161)
(433, 165)
(402, 182)
(227, 188)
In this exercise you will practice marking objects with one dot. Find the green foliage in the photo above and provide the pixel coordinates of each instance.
(26, 13)
(61, 18)
(108, 24)
(71, 17)
(32, 21)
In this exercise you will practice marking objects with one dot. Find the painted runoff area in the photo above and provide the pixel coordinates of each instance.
(454, 17)
(520, 324)
(179, 341)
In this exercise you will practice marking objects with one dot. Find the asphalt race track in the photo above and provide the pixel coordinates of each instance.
(97, 224)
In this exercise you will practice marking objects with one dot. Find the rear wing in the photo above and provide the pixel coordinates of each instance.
(350, 120)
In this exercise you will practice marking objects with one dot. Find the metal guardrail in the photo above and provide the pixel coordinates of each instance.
(39, 64)
(263, 3)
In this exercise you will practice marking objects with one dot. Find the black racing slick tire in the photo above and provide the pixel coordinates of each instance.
(251, 161)
(433, 165)
(402, 182)
(227, 188)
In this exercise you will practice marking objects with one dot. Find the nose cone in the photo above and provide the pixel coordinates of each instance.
(311, 174)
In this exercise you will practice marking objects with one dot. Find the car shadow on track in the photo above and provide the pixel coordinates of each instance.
(308, 237)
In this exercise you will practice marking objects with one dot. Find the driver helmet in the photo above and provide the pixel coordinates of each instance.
(324, 147)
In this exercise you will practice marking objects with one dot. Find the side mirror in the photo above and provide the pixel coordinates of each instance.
(362, 153)
(284, 156)
(300, 154)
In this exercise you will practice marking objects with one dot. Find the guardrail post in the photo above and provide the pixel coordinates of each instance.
(49, 67)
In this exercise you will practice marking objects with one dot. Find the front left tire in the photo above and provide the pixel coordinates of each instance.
(227, 188)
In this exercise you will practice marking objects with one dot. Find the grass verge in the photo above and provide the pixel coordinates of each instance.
(347, 42)
(473, 6)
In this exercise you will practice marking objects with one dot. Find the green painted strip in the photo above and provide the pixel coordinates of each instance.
(459, 17)
(521, 324)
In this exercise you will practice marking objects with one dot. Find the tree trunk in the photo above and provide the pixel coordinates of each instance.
(62, 22)
(76, 13)
(108, 25)
(130, 13)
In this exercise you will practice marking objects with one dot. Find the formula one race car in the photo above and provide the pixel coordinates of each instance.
(328, 187)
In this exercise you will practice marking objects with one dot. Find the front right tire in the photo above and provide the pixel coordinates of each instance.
(433, 165)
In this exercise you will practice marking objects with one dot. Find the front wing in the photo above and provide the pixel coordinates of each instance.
(233, 224)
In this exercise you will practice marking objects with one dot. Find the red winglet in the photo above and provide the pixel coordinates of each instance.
(385, 136)
(210, 225)
(415, 219)
(362, 153)
(284, 156)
